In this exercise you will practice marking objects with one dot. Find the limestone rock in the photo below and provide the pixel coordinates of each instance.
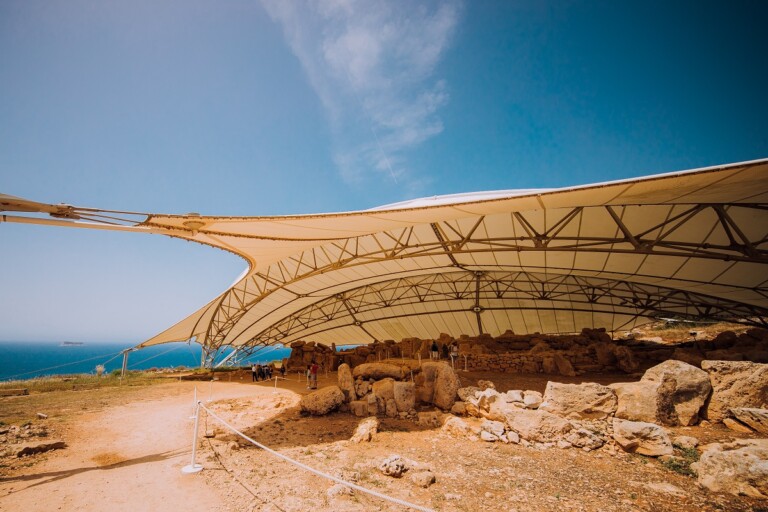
(685, 442)
(429, 419)
(378, 371)
(362, 387)
(373, 405)
(636, 400)
(425, 382)
(485, 384)
(404, 394)
(488, 437)
(740, 467)
(365, 430)
(625, 359)
(514, 395)
(736, 426)
(390, 408)
(683, 390)
(495, 428)
(457, 427)
(446, 386)
(670, 393)
(359, 408)
(465, 394)
(756, 419)
(459, 409)
(339, 490)
(322, 401)
(564, 366)
(579, 401)
(346, 382)
(584, 439)
(393, 466)
(384, 388)
(32, 448)
(532, 399)
(641, 437)
(538, 426)
(422, 478)
(735, 384)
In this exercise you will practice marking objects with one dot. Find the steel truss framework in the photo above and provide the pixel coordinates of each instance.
(480, 260)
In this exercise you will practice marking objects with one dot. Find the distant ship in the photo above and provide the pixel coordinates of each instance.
(71, 343)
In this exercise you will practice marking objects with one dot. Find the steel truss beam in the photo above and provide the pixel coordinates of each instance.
(479, 292)
(675, 236)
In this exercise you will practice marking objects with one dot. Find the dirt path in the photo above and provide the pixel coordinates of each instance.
(127, 457)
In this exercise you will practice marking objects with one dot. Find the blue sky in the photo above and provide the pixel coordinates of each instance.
(275, 107)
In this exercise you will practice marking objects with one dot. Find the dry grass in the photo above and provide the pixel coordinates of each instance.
(53, 395)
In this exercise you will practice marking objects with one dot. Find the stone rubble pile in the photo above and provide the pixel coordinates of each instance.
(633, 416)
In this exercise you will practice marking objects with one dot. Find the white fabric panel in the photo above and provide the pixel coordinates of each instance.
(640, 203)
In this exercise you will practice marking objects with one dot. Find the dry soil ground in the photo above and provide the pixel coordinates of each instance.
(126, 450)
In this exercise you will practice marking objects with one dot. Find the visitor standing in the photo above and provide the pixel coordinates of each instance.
(434, 351)
(313, 376)
(254, 372)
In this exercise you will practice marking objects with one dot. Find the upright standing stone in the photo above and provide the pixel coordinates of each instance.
(346, 382)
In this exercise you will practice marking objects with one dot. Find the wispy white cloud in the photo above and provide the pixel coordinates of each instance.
(372, 65)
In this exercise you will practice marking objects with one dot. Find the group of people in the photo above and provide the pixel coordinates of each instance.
(259, 372)
(448, 351)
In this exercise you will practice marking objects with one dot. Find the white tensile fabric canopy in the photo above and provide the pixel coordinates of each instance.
(688, 245)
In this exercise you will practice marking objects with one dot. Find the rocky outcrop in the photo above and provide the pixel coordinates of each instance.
(740, 467)
(641, 437)
(579, 401)
(322, 401)
(735, 384)
(671, 393)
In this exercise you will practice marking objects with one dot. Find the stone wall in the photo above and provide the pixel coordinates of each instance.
(591, 351)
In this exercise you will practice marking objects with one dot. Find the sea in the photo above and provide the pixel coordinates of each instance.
(29, 359)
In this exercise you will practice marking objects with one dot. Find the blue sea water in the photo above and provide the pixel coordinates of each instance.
(29, 359)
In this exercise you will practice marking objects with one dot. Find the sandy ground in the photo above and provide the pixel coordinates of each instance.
(122, 458)
(127, 454)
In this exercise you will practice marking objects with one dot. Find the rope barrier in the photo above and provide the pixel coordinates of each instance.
(313, 470)
(59, 366)
(154, 356)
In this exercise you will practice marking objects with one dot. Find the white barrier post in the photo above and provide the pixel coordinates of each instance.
(465, 362)
(193, 467)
